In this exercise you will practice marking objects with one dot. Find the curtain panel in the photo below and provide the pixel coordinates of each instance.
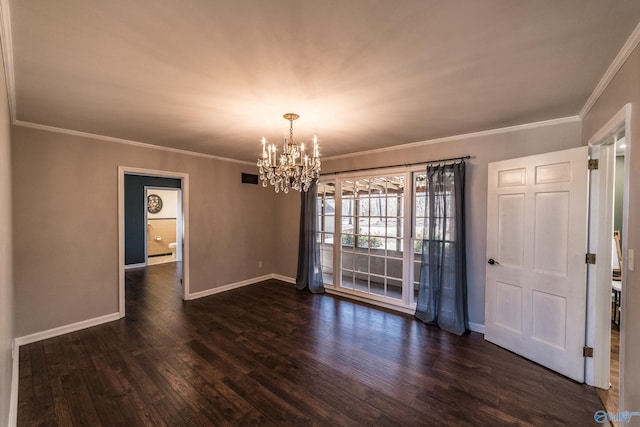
(442, 292)
(309, 274)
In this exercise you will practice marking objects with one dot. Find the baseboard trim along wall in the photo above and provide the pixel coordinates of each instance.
(476, 327)
(284, 278)
(61, 330)
(228, 287)
(132, 266)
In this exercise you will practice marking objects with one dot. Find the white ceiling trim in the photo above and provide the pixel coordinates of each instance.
(490, 132)
(7, 55)
(125, 141)
(613, 69)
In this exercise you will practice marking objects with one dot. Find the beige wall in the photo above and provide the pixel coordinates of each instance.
(625, 88)
(160, 233)
(66, 231)
(6, 268)
(287, 227)
(482, 149)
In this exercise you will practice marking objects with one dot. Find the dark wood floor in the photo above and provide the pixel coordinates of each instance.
(269, 355)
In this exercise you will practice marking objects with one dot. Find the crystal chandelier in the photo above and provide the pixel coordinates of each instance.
(296, 169)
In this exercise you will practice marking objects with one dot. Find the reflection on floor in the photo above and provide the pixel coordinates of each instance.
(610, 398)
(153, 260)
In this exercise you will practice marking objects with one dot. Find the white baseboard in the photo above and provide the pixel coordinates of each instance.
(476, 327)
(13, 398)
(50, 333)
(284, 278)
(132, 266)
(217, 290)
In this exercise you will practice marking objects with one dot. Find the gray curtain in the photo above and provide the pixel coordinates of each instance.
(442, 295)
(309, 275)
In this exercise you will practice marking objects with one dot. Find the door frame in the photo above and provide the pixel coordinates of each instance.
(599, 290)
(184, 177)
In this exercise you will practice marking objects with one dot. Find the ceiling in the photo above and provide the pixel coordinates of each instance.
(215, 76)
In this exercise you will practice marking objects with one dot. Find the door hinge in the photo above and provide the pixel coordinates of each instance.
(590, 259)
(587, 351)
(593, 164)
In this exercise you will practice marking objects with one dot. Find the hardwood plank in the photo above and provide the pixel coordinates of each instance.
(269, 355)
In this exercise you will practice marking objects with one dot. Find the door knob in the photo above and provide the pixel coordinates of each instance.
(493, 261)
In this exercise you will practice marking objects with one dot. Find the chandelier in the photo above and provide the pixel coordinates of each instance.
(294, 168)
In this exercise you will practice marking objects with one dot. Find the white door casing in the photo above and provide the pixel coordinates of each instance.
(535, 298)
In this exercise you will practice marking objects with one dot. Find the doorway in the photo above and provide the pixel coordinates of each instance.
(504, 312)
(163, 225)
(124, 202)
(606, 285)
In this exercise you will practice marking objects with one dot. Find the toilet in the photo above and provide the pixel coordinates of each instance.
(172, 246)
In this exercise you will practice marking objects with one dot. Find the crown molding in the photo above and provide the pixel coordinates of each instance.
(6, 41)
(526, 126)
(7, 55)
(611, 72)
(125, 141)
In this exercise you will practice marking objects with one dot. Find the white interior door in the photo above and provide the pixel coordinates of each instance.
(535, 298)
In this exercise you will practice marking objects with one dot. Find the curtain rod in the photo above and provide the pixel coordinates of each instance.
(396, 166)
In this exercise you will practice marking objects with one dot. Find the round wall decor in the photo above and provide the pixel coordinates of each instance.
(154, 203)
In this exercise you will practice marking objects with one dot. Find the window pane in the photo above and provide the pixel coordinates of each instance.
(377, 226)
(348, 206)
(329, 223)
(416, 271)
(394, 245)
(363, 226)
(394, 268)
(363, 206)
(329, 205)
(377, 266)
(394, 288)
(394, 206)
(377, 285)
(326, 256)
(361, 282)
(417, 246)
(394, 227)
(346, 225)
(377, 206)
(361, 263)
(347, 242)
(347, 279)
